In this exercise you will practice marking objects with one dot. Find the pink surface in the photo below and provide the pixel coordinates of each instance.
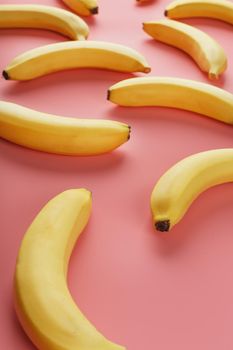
(142, 289)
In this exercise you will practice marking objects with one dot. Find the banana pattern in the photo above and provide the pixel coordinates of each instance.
(179, 93)
(217, 9)
(185, 181)
(83, 7)
(43, 17)
(50, 316)
(76, 54)
(60, 135)
(205, 51)
(43, 303)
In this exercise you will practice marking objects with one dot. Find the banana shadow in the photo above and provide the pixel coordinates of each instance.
(61, 164)
(210, 22)
(154, 118)
(18, 331)
(33, 33)
(75, 78)
(144, 4)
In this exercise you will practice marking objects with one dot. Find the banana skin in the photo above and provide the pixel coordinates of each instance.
(43, 17)
(60, 135)
(43, 303)
(185, 181)
(205, 51)
(76, 54)
(83, 7)
(173, 92)
(217, 9)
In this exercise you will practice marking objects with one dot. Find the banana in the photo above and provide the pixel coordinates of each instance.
(179, 93)
(218, 9)
(181, 185)
(43, 303)
(205, 51)
(83, 7)
(43, 17)
(79, 54)
(60, 135)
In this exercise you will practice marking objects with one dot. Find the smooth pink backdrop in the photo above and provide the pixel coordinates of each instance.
(143, 289)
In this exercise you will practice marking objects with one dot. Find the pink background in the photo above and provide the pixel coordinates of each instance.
(143, 289)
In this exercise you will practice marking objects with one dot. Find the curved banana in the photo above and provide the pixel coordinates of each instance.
(182, 184)
(83, 7)
(60, 135)
(43, 303)
(179, 93)
(79, 54)
(205, 51)
(43, 17)
(218, 9)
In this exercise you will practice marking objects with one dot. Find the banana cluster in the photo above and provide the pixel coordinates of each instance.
(50, 316)
(55, 134)
(205, 51)
(180, 185)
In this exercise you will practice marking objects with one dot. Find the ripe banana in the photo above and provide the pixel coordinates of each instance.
(43, 302)
(205, 51)
(218, 9)
(61, 135)
(83, 7)
(43, 17)
(182, 184)
(79, 54)
(184, 94)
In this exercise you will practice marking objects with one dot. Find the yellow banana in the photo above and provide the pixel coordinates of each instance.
(182, 184)
(43, 302)
(60, 135)
(218, 9)
(179, 93)
(43, 17)
(83, 7)
(79, 54)
(205, 51)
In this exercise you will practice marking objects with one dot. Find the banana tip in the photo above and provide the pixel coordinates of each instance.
(108, 95)
(144, 27)
(147, 70)
(162, 226)
(166, 13)
(81, 37)
(5, 75)
(87, 190)
(129, 127)
(213, 76)
(94, 10)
